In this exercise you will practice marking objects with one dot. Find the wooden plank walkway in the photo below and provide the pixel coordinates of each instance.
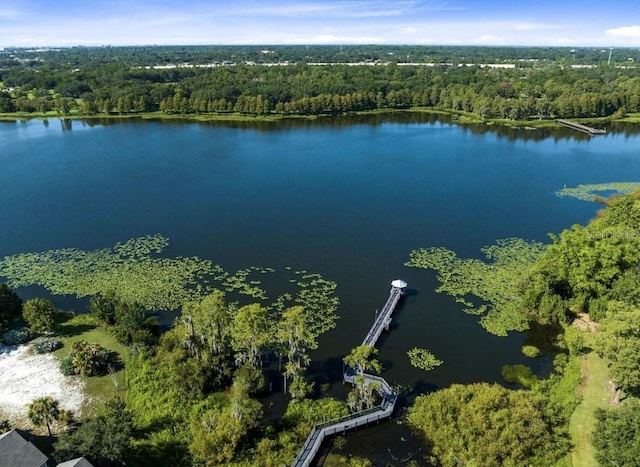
(383, 320)
(580, 127)
(358, 419)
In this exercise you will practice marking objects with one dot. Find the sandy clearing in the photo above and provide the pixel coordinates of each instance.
(25, 376)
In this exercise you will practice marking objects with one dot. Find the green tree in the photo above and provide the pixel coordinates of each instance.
(250, 334)
(294, 334)
(616, 435)
(43, 412)
(38, 313)
(106, 440)
(10, 305)
(488, 425)
(619, 341)
(217, 432)
(103, 307)
(360, 360)
(208, 324)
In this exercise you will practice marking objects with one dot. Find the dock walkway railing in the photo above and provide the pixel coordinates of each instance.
(358, 419)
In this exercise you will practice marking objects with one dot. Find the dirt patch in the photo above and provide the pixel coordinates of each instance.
(583, 322)
(25, 376)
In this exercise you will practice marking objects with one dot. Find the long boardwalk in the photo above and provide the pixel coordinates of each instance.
(362, 418)
(581, 127)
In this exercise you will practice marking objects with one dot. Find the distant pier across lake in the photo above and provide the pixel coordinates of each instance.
(580, 127)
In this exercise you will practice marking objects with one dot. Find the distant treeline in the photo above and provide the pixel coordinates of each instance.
(92, 81)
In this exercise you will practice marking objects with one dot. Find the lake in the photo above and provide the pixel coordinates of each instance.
(348, 199)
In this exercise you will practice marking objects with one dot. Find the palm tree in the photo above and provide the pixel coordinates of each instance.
(43, 411)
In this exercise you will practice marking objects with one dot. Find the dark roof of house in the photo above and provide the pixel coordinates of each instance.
(15, 451)
(79, 462)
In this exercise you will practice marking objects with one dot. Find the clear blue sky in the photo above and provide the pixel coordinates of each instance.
(29, 23)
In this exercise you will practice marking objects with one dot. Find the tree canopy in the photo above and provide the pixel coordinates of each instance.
(482, 424)
(536, 83)
(616, 435)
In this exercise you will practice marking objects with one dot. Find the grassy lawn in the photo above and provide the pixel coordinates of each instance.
(596, 392)
(98, 388)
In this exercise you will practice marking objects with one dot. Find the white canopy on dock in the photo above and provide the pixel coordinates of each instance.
(399, 284)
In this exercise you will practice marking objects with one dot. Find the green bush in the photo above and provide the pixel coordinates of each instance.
(16, 336)
(575, 341)
(38, 313)
(45, 344)
(560, 362)
(519, 374)
(66, 366)
(530, 351)
(87, 359)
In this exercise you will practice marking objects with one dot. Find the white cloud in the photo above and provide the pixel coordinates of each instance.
(340, 9)
(626, 32)
(488, 39)
(536, 27)
(333, 39)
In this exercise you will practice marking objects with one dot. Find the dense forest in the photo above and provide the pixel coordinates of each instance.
(530, 83)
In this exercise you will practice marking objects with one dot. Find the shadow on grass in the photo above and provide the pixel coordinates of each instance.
(115, 362)
(69, 325)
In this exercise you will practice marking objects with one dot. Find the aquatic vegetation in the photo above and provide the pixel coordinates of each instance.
(239, 282)
(317, 296)
(423, 359)
(131, 270)
(136, 272)
(594, 192)
(495, 282)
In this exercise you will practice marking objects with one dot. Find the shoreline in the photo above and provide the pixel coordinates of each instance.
(457, 117)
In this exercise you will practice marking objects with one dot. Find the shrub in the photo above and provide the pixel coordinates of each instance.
(89, 359)
(66, 366)
(530, 351)
(519, 374)
(575, 340)
(16, 336)
(38, 313)
(45, 344)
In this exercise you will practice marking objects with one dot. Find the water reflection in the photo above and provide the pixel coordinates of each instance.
(510, 133)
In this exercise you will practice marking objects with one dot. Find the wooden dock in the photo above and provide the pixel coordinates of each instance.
(383, 320)
(358, 419)
(584, 128)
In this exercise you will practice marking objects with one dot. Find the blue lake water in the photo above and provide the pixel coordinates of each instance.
(347, 201)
